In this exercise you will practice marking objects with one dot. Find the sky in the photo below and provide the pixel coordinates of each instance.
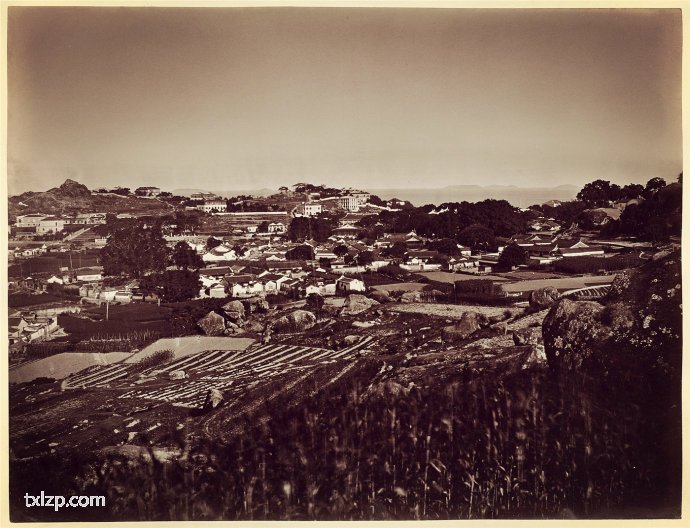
(247, 98)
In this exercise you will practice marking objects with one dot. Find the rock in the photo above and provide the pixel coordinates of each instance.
(350, 340)
(178, 375)
(500, 328)
(296, 321)
(535, 357)
(255, 305)
(381, 296)
(214, 398)
(213, 324)
(543, 298)
(254, 326)
(363, 324)
(469, 323)
(234, 310)
(527, 336)
(356, 303)
(411, 297)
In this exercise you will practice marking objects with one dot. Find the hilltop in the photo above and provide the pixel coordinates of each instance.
(73, 197)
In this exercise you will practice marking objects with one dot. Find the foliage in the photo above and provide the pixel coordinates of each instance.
(304, 228)
(478, 237)
(134, 251)
(315, 303)
(340, 250)
(599, 193)
(172, 285)
(512, 255)
(158, 358)
(20, 300)
(446, 246)
(184, 257)
(398, 250)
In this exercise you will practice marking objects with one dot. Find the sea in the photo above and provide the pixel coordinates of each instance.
(518, 196)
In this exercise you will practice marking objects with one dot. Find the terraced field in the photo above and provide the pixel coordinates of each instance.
(226, 370)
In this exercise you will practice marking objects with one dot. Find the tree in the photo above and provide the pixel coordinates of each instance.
(512, 255)
(599, 193)
(172, 285)
(446, 246)
(632, 191)
(315, 303)
(397, 250)
(340, 250)
(212, 242)
(184, 257)
(303, 252)
(134, 251)
(654, 185)
(364, 258)
(263, 227)
(477, 237)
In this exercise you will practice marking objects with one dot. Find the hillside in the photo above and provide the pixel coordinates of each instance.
(72, 197)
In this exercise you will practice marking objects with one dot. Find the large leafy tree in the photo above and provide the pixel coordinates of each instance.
(172, 285)
(512, 255)
(599, 193)
(304, 252)
(134, 251)
(478, 237)
(184, 257)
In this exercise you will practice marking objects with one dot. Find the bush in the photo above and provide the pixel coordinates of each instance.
(160, 357)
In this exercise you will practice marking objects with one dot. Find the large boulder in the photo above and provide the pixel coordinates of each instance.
(212, 324)
(543, 297)
(255, 305)
(356, 303)
(411, 297)
(296, 321)
(468, 324)
(637, 330)
(381, 296)
(177, 375)
(234, 310)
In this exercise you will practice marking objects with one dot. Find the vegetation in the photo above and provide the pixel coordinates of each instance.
(160, 357)
(134, 251)
(579, 265)
(511, 256)
(172, 285)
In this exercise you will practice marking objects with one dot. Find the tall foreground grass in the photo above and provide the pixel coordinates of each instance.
(519, 445)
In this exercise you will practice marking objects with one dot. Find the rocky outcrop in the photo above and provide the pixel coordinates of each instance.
(411, 297)
(469, 323)
(356, 303)
(177, 375)
(543, 298)
(215, 324)
(234, 310)
(527, 336)
(381, 296)
(296, 321)
(255, 305)
(638, 328)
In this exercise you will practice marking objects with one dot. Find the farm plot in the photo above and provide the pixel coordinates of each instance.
(233, 371)
(61, 366)
(97, 377)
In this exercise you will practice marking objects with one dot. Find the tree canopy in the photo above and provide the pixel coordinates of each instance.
(184, 257)
(134, 251)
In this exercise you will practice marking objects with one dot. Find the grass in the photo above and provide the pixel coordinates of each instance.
(21, 300)
(51, 263)
(493, 445)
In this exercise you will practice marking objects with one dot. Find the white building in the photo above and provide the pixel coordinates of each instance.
(51, 224)
(349, 202)
(312, 209)
(213, 206)
(277, 227)
(30, 220)
(349, 284)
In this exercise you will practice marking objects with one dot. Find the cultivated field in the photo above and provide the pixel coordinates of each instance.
(60, 366)
(450, 278)
(451, 311)
(401, 286)
(565, 283)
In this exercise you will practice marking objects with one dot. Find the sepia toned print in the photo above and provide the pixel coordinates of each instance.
(327, 263)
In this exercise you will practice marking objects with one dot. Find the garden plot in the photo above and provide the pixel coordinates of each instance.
(98, 377)
(232, 371)
(61, 366)
(188, 345)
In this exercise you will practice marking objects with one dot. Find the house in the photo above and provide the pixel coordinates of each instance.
(589, 251)
(277, 227)
(221, 252)
(349, 202)
(311, 209)
(349, 284)
(411, 239)
(421, 256)
(251, 229)
(50, 224)
(54, 279)
(89, 275)
(30, 221)
(346, 232)
(214, 205)
(219, 271)
(319, 287)
(16, 326)
(243, 286)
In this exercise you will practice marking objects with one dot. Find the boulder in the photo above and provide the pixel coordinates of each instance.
(350, 340)
(212, 324)
(381, 296)
(536, 356)
(363, 324)
(214, 398)
(234, 310)
(178, 375)
(296, 321)
(527, 336)
(543, 297)
(468, 324)
(255, 305)
(356, 303)
(411, 297)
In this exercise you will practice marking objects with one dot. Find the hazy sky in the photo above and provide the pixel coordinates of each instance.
(243, 98)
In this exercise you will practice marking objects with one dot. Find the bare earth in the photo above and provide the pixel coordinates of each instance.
(451, 311)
